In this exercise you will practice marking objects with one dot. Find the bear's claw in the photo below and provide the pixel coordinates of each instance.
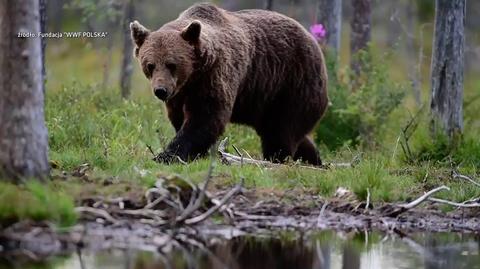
(168, 158)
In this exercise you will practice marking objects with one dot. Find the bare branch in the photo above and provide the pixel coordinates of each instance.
(469, 179)
(96, 212)
(424, 197)
(199, 201)
(213, 209)
(151, 150)
(368, 199)
(402, 208)
(463, 204)
(239, 160)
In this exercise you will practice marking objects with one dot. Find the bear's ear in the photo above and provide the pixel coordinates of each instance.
(192, 32)
(139, 33)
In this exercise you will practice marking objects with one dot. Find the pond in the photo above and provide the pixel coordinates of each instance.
(288, 250)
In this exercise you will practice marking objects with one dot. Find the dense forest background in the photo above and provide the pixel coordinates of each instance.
(404, 28)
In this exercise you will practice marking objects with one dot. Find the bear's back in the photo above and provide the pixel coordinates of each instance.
(206, 13)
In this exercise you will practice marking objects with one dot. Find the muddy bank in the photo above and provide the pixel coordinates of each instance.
(248, 213)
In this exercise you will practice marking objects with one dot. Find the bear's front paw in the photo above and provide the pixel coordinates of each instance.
(168, 158)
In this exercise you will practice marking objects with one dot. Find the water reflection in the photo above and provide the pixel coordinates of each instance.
(321, 251)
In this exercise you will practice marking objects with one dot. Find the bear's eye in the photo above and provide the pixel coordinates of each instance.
(150, 68)
(171, 67)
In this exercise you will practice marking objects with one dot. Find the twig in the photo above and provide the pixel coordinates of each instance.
(424, 197)
(234, 159)
(155, 202)
(97, 212)
(405, 207)
(253, 217)
(368, 199)
(456, 175)
(407, 133)
(199, 201)
(396, 147)
(213, 209)
(322, 211)
(463, 204)
(151, 150)
(239, 154)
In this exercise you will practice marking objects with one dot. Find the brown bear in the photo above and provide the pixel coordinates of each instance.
(252, 67)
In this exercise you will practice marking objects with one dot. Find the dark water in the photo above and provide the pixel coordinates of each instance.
(324, 250)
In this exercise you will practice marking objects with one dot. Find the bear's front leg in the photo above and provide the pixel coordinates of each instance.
(203, 125)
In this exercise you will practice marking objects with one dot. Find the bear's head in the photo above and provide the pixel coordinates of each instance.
(167, 57)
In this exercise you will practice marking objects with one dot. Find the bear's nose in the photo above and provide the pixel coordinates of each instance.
(161, 93)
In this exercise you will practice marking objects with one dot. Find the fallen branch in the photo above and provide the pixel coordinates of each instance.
(96, 212)
(232, 159)
(192, 207)
(213, 209)
(469, 179)
(424, 197)
(405, 207)
(463, 204)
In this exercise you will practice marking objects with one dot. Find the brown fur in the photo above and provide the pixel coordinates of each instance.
(252, 67)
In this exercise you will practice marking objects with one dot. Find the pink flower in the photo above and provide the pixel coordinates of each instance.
(318, 31)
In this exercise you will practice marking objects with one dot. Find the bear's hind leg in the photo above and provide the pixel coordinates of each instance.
(307, 152)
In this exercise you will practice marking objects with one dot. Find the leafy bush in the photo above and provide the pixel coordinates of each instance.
(360, 106)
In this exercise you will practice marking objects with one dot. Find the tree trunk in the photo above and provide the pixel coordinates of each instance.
(23, 134)
(330, 15)
(269, 4)
(415, 58)
(127, 67)
(43, 29)
(360, 30)
(447, 67)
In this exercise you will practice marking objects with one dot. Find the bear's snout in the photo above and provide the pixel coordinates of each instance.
(161, 93)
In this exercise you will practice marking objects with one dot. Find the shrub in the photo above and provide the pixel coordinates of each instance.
(360, 106)
(428, 147)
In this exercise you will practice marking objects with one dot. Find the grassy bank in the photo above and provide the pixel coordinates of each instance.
(90, 126)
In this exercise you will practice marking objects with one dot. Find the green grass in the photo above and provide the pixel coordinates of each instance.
(35, 201)
(88, 125)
